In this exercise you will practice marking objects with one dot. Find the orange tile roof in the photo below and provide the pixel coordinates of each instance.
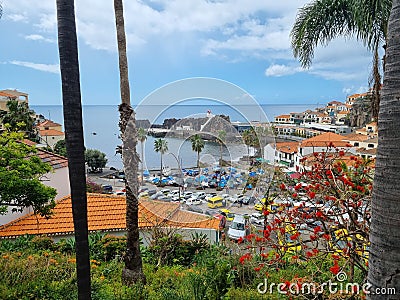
(283, 117)
(55, 160)
(29, 142)
(372, 151)
(5, 94)
(51, 132)
(48, 123)
(324, 139)
(107, 213)
(287, 147)
(356, 137)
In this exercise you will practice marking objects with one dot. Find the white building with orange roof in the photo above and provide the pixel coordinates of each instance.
(50, 133)
(370, 129)
(49, 124)
(282, 119)
(342, 117)
(50, 137)
(281, 153)
(107, 213)
(325, 142)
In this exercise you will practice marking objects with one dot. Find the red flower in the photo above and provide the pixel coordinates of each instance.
(265, 212)
(311, 195)
(319, 214)
(335, 269)
(326, 236)
(240, 240)
(341, 153)
(317, 229)
(295, 236)
(282, 186)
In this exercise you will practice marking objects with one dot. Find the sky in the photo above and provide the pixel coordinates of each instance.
(244, 42)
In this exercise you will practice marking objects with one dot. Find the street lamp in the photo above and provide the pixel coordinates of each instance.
(181, 177)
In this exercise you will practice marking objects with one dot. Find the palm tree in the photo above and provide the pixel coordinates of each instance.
(221, 139)
(142, 137)
(321, 21)
(384, 258)
(197, 146)
(161, 145)
(133, 270)
(69, 65)
(250, 139)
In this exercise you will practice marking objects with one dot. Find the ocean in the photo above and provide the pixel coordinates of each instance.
(101, 129)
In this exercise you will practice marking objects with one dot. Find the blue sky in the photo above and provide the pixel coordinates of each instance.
(245, 42)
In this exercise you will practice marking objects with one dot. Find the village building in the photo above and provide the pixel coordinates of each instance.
(107, 214)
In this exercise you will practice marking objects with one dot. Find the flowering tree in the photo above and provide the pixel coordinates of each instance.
(322, 215)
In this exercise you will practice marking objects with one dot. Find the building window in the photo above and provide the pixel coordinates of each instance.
(370, 145)
(356, 144)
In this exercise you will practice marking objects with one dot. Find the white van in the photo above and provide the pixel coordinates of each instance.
(239, 228)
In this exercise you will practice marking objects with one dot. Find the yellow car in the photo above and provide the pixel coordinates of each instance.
(229, 215)
(259, 206)
(290, 242)
(340, 239)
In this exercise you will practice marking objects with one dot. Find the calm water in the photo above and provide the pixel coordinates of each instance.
(101, 129)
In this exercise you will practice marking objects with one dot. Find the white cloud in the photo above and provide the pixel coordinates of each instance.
(38, 37)
(282, 70)
(234, 30)
(39, 67)
(17, 18)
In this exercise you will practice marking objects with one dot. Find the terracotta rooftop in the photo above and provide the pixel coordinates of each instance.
(107, 213)
(372, 151)
(5, 94)
(51, 132)
(356, 137)
(283, 117)
(29, 142)
(287, 147)
(55, 160)
(48, 123)
(324, 139)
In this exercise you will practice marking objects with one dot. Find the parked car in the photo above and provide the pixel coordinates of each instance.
(239, 228)
(257, 219)
(249, 200)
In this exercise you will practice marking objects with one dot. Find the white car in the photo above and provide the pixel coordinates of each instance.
(257, 219)
(239, 228)
(193, 201)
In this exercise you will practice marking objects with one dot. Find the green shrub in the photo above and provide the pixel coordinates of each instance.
(43, 242)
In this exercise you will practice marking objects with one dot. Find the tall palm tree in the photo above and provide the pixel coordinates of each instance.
(133, 270)
(197, 146)
(72, 108)
(321, 21)
(221, 139)
(250, 138)
(161, 145)
(384, 258)
(142, 137)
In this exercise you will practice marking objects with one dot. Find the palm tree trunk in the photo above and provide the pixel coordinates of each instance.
(161, 169)
(133, 270)
(384, 259)
(69, 65)
(142, 162)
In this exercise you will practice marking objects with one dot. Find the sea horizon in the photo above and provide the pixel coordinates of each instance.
(101, 131)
